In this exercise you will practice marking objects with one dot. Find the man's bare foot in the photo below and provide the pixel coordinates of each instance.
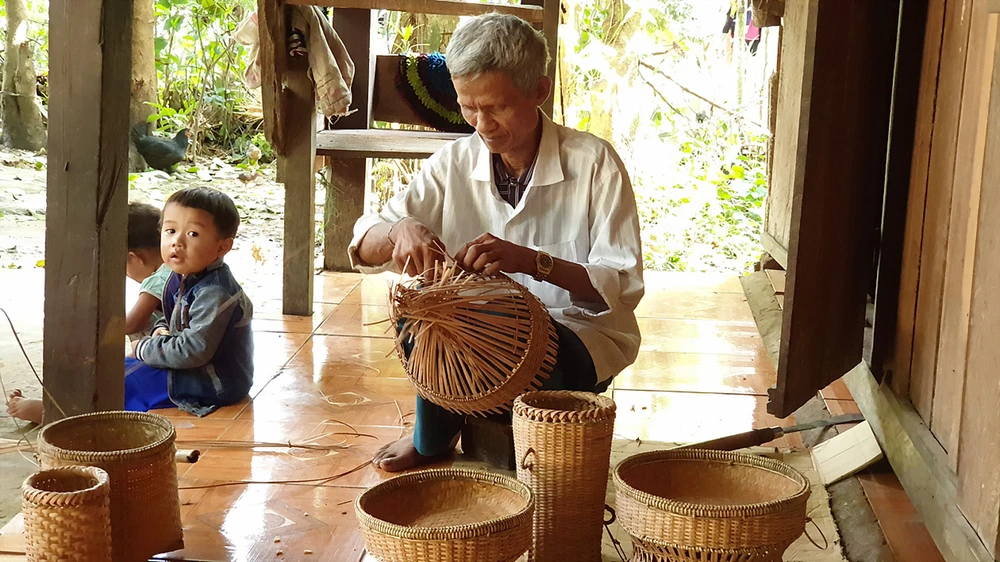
(22, 408)
(399, 455)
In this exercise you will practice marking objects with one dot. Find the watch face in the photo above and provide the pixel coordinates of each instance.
(545, 260)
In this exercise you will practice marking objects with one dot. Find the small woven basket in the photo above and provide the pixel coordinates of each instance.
(449, 515)
(478, 341)
(716, 506)
(562, 440)
(67, 515)
(137, 451)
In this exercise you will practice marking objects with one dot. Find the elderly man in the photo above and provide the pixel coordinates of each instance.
(550, 206)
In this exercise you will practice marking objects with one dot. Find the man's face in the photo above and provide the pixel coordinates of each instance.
(504, 116)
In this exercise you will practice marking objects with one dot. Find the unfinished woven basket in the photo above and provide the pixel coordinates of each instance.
(562, 440)
(716, 506)
(67, 515)
(137, 451)
(449, 515)
(478, 341)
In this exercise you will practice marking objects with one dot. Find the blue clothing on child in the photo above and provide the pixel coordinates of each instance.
(208, 353)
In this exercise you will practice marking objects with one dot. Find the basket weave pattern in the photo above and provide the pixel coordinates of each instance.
(478, 341)
(67, 515)
(562, 440)
(665, 529)
(137, 451)
(481, 517)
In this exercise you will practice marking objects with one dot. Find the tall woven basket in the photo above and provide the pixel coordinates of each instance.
(718, 506)
(476, 342)
(450, 515)
(67, 515)
(562, 440)
(137, 451)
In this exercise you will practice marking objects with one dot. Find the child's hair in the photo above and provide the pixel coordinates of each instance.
(213, 202)
(143, 227)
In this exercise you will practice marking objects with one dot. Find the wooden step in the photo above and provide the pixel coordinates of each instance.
(532, 14)
(381, 143)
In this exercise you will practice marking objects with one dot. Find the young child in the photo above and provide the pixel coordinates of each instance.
(200, 356)
(144, 266)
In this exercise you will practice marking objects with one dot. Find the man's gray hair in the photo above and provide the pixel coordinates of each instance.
(499, 42)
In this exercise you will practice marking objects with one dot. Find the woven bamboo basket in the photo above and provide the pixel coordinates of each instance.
(478, 341)
(137, 451)
(716, 506)
(562, 440)
(67, 515)
(450, 515)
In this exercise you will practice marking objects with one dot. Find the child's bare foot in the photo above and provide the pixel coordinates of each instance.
(400, 455)
(21, 408)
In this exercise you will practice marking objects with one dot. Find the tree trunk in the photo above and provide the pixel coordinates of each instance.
(22, 119)
(143, 89)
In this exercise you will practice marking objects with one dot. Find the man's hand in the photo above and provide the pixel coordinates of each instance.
(491, 255)
(415, 247)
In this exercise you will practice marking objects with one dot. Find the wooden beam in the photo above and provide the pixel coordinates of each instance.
(761, 297)
(439, 7)
(979, 446)
(381, 143)
(90, 60)
(778, 252)
(354, 26)
(921, 465)
(345, 203)
(300, 192)
(273, 30)
(550, 10)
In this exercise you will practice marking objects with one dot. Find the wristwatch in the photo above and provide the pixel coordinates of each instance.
(543, 265)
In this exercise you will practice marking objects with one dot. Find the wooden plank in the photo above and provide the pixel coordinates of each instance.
(86, 204)
(300, 193)
(946, 416)
(979, 442)
(798, 38)
(440, 7)
(272, 26)
(354, 26)
(345, 203)
(921, 465)
(897, 366)
(388, 105)
(927, 323)
(766, 310)
(550, 29)
(778, 252)
(382, 143)
(848, 453)
(905, 123)
(838, 182)
(777, 278)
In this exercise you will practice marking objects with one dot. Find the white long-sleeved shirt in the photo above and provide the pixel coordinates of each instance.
(578, 206)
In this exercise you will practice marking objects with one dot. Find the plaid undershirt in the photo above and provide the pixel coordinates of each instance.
(511, 189)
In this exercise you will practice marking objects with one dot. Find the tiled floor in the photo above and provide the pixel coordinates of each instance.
(334, 381)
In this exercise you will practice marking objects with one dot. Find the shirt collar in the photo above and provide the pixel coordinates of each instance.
(548, 165)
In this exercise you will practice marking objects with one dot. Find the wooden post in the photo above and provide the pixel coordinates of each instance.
(300, 192)
(550, 29)
(86, 205)
(345, 196)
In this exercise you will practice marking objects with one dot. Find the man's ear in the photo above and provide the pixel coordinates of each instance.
(542, 90)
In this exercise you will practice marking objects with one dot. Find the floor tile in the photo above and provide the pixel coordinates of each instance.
(373, 290)
(903, 527)
(707, 306)
(678, 417)
(698, 372)
(331, 287)
(351, 319)
(700, 336)
(659, 283)
(837, 391)
(348, 356)
(268, 318)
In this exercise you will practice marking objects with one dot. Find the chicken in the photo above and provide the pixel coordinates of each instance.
(158, 152)
(253, 153)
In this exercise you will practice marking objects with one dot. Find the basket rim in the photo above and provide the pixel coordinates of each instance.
(698, 510)
(162, 422)
(100, 477)
(601, 407)
(449, 532)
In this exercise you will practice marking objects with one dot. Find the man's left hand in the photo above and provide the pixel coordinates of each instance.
(491, 255)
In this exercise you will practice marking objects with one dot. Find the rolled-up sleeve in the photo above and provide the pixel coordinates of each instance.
(421, 200)
(614, 263)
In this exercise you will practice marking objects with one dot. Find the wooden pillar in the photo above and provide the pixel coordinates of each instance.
(300, 191)
(550, 29)
(345, 196)
(90, 55)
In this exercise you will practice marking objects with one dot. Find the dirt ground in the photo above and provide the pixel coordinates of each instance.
(255, 260)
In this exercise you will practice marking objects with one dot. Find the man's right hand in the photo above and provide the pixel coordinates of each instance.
(415, 248)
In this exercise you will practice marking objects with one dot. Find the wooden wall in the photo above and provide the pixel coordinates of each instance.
(947, 349)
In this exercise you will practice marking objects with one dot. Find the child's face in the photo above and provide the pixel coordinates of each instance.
(189, 241)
